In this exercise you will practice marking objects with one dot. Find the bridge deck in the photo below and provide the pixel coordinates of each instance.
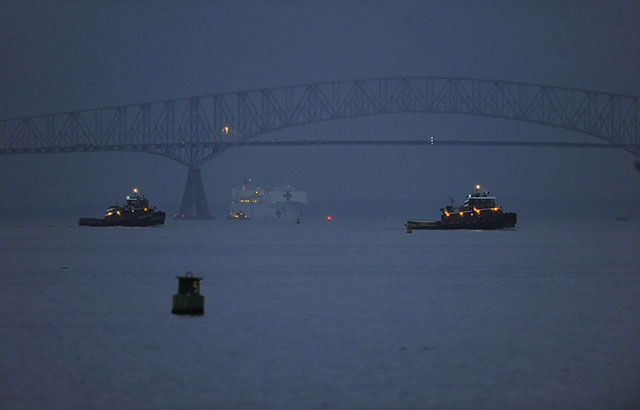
(153, 148)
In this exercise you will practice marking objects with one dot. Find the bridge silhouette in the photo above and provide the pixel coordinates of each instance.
(194, 130)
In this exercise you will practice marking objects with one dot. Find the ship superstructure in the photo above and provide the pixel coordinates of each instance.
(136, 212)
(479, 211)
(253, 202)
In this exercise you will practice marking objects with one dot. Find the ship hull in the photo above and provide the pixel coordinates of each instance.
(501, 221)
(286, 211)
(156, 218)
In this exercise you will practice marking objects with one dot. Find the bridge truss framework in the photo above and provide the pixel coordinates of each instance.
(194, 130)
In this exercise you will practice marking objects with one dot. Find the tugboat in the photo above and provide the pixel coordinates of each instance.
(135, 213)
(479, 211)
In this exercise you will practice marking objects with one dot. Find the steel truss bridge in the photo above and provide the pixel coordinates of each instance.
(194, 130)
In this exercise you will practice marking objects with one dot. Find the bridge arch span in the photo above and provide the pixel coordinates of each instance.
(193, 130)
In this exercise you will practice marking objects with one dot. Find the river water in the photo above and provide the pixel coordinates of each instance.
(340, 315)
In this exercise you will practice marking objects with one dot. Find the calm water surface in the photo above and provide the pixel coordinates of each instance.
(319, 315)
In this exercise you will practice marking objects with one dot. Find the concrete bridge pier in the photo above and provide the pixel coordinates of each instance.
(194, 197)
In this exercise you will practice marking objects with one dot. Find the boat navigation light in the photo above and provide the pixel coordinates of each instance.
(135, 190)
(328, 218)
(477, 186)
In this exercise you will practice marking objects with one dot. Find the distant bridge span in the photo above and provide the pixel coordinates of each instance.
(224, 146)
(194, 130)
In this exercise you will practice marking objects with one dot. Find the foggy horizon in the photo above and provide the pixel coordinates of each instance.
(75, 56)
(384, 305)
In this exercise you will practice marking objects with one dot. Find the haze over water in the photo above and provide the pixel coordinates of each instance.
(348, 314)
(355, 314)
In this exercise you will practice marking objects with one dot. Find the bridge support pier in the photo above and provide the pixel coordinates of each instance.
(194, 197)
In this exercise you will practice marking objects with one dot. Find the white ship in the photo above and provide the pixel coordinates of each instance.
(253, 202)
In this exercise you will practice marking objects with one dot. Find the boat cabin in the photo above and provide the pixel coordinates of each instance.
(136, 201)
(480, 199)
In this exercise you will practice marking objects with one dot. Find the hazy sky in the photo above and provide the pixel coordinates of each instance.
(61, 56)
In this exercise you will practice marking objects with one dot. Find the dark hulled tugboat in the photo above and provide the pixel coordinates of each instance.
(479, 211)
(135, 213)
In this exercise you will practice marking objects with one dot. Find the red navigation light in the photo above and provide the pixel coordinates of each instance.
(328, 218)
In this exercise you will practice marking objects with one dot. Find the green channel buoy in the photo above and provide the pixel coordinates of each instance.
(188, 300)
